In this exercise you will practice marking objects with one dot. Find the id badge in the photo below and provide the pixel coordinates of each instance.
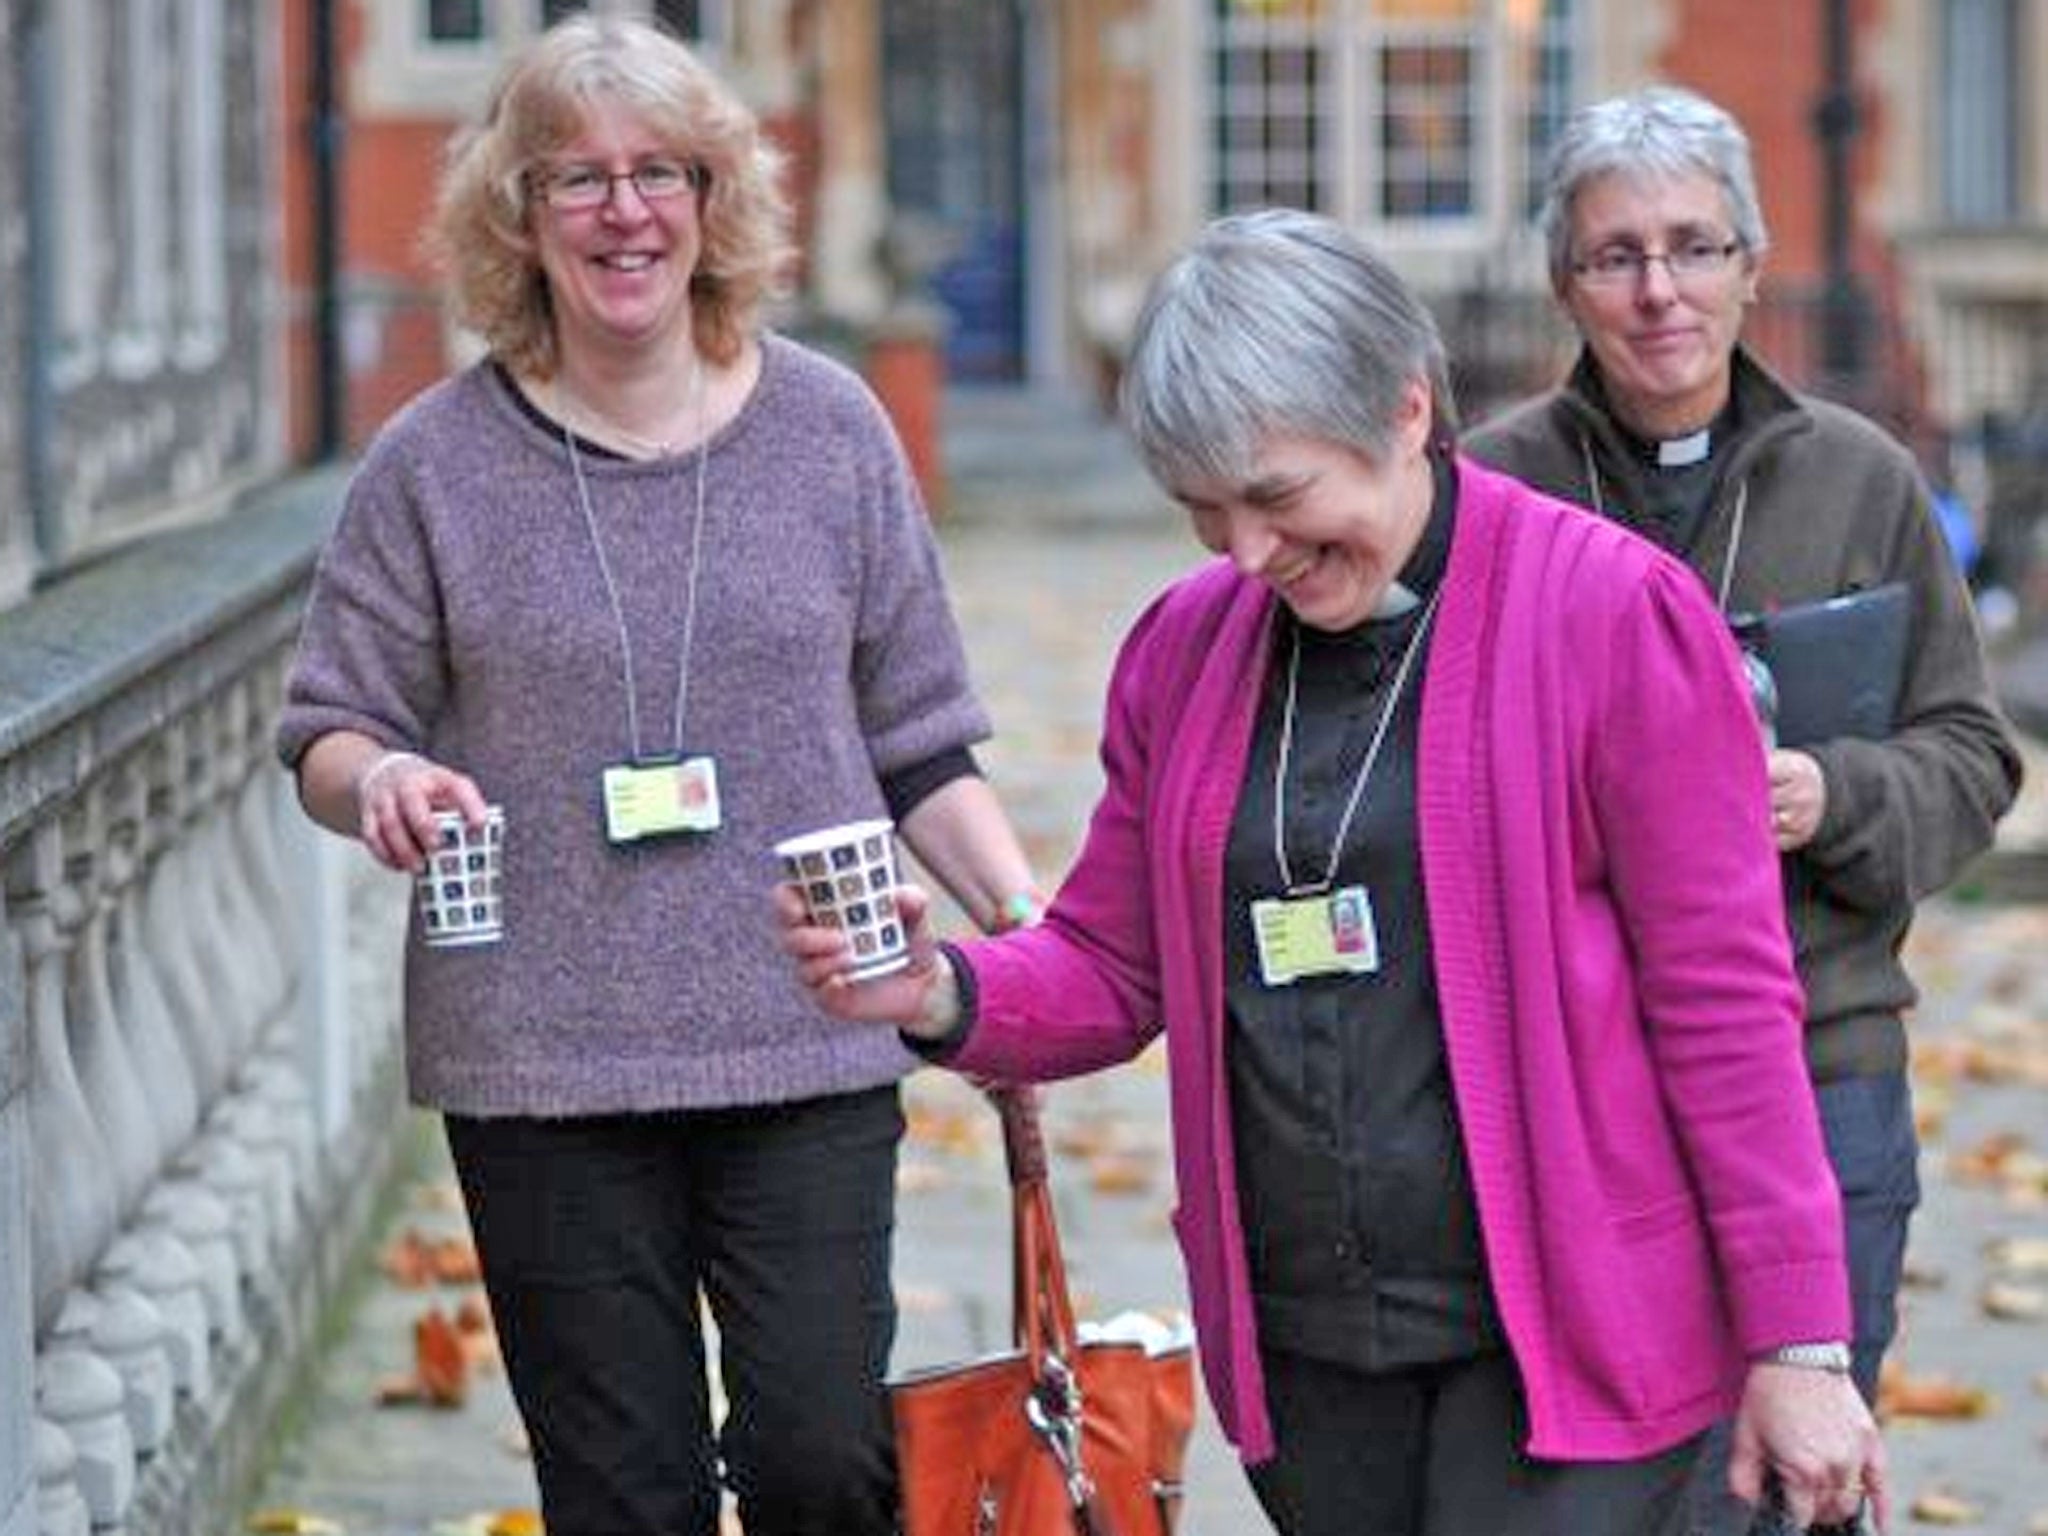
(1331, 934)
(656, 799)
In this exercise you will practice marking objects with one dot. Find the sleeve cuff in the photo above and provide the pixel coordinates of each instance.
(950, 1044)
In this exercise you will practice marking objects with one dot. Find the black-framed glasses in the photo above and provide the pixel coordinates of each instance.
(1623, 266)
(580, 188)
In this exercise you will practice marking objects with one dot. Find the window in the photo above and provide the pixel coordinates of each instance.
(1270, 72)
(1427, 133)
(1415, 113)
(457, 21)
(82, 243)
(202, 173)
(1546, 62)
(1978, 106)
(681, 17)
(144, 251)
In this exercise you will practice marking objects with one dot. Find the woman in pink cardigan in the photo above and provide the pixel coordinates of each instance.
(1435, 839)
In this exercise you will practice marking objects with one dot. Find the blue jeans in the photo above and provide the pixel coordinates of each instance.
(1868, 1125)
(597, 1237)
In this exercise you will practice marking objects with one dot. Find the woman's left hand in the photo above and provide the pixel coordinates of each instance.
(1799, 798)
(1814, 1433)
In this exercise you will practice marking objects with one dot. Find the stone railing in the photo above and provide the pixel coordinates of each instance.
(194, 1100)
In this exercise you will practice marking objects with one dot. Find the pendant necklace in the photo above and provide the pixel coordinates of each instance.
(1311, 929)
(655, 794)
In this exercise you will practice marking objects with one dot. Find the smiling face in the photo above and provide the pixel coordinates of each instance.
(1664, 345)
(619, 273)
(1323, 525)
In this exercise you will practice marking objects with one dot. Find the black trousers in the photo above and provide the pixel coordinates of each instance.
(1437, 1451)
(598, 1236)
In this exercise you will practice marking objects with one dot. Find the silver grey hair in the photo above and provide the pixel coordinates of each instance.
(1662, 132)
(1274, 324)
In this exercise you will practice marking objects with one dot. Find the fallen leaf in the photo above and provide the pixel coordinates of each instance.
(1920, 1276)
(2013, 1303)
(1904, 1396)
(454, 1261)
(916, 1178)
(396, 1391)
(1120, 1173)
(2020, 1255)
(439, 1359)
(291, 1522)
(407, 1261)
(1940, 1507)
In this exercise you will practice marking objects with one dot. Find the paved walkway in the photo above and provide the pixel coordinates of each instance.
(1053, 542)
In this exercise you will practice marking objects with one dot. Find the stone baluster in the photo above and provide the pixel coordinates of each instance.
(275, 1074)
(73, 1196)
(242, 910)
(155, 1260)
(271, 797)
(184, 1204)
(181, 929)
(159, 1054)
(166, 917)
(60, 1506)
(216, 923)
(106, 1072)
(85, 1399)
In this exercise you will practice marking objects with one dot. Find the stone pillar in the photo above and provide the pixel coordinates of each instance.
(17, 1310)
(847, 280)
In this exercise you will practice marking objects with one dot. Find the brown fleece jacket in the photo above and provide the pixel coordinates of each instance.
(1828, 504)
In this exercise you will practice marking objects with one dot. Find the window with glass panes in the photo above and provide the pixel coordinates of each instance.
(1271, 82)
(1977, 100)
(1388, 111)
(456, 21)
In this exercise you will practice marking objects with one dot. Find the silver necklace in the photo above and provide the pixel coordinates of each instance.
(1372, 752)
(611, 588)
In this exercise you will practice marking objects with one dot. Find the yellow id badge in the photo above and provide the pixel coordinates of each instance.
(656, 799)
(1331, 934)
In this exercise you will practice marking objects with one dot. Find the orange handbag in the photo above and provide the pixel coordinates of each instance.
(1059, 1435)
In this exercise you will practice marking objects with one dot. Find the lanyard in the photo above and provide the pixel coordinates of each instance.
(611, 588)
(1372, 752)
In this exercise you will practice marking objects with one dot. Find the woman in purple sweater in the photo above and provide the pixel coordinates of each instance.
(645, 541)
(1435, 840)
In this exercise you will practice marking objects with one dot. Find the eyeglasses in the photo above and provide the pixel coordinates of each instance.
(580, 188)
(1623, 266)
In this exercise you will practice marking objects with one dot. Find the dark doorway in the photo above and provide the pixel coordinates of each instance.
(953, 87)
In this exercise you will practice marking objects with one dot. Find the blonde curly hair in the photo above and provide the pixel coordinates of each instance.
(481, 234)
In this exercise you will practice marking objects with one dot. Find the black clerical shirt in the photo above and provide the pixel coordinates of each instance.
(1357, 1204)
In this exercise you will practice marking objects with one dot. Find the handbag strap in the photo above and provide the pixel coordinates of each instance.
(1041, 1308)
(1042, 1320)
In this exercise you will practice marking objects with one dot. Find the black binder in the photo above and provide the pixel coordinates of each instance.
(1839, 664)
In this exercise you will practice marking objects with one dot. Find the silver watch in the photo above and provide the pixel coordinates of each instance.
(1832, 1356)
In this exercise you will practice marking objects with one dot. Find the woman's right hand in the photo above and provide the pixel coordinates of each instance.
(397, 796)
(921, 999)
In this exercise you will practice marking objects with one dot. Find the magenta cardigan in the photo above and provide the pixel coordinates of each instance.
(1619, 1006)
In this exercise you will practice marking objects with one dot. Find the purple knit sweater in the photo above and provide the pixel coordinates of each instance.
(459, 611)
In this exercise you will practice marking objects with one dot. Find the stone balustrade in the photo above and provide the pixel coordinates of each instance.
(198, 1054)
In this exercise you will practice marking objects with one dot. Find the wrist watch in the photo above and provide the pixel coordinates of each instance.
(1832, 1356)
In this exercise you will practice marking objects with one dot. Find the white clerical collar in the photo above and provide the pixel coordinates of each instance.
(1399, 598)
(1679, 452)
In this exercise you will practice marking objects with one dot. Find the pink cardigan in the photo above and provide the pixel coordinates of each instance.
(1619, 1006)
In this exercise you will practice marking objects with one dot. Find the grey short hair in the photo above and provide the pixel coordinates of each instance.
(1661, 131)
(1274, 324)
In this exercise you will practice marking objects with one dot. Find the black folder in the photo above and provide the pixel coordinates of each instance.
(1838, 664)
